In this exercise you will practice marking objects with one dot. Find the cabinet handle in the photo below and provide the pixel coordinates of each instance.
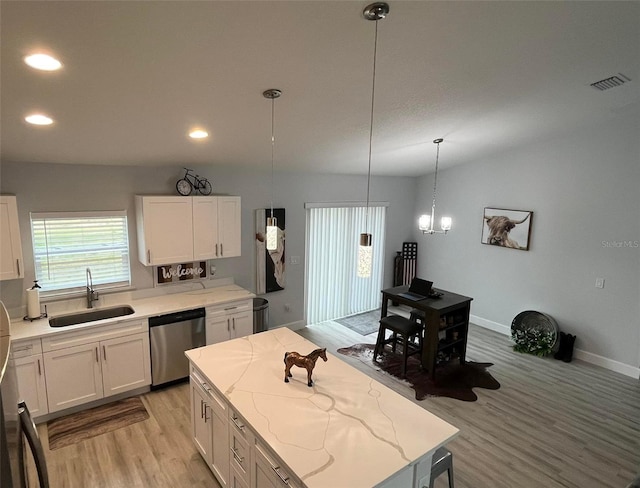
(237, 457)
(228, 328)
(104, 352)
(97, 357)
(39, 369)
(216, 248)
(234, 419)
(231, 308)
(205, 412)
(18, 266)
(148, 256)
(221, 250)
(284, 479)
(233, 323)
(201, 408)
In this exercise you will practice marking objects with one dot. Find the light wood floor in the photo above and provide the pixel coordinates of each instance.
(550, 425)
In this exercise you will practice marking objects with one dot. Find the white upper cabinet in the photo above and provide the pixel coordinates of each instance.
(11, 264)
(165, 230)
(205, 229)
(182, 229)
(229, 216)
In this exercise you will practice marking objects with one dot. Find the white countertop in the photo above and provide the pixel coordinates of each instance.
(346, 430)
(144, 307)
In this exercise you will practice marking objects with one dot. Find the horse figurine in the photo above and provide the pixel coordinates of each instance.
(308, 362)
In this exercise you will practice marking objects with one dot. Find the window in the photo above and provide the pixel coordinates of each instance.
(65, 244)
(333, 288)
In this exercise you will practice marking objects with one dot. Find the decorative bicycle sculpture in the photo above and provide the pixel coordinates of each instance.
(191, 182)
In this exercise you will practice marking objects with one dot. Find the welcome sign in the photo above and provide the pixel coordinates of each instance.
(179, 273)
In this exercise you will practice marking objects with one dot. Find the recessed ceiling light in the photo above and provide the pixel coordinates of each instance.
(43, 62)
(198, 134)
(39, 119)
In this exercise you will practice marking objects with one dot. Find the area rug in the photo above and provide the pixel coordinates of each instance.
(77, 427)
(452, 380)
(363, 323)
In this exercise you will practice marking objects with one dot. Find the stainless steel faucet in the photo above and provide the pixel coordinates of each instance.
(92, 295)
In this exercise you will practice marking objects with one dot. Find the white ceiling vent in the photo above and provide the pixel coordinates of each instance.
(611, 82)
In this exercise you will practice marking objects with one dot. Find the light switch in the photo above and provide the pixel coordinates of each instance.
(599, 282)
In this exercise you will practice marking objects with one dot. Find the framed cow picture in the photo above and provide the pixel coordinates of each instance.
(507, 228)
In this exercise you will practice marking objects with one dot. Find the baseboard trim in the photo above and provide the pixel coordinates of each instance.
(610, 364)
(587, 357)
(300, 324)
(488, 324)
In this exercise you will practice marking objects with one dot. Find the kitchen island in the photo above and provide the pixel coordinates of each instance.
(347, 430)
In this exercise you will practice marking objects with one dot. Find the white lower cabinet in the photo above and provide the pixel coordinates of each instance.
(88, 365)
(125, 363)
(32, 386)
(267, 473)
(74, 376)
(210, 428)
(229, 321)
(80, 374)
(228, 445)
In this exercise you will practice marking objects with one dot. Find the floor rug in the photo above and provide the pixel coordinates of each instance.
(77, 427)
(363, 323)
(452, 380)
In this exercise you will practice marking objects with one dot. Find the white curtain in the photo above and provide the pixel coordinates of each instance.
(333, 287)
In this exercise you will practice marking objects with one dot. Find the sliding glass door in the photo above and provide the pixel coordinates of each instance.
(333, 287)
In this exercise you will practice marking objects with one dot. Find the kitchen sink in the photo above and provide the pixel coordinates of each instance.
(93, 315)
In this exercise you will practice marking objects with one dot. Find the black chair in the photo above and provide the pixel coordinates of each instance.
(442, 461)
(403, 331)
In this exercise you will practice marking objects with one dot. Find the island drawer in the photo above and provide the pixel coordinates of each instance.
(268, 471)
(240, 461)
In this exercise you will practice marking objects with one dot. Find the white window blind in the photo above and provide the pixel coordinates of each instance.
(65, 244)
(333, 287)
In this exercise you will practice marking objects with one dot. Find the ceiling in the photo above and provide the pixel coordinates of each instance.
(137, 76)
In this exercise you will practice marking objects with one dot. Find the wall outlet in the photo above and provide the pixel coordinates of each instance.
(287, 307)
(295, 260)
(212, 270)
(599, 282)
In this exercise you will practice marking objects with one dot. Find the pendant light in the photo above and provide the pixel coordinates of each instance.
(272, 222)
(374, 11)
(425, 222)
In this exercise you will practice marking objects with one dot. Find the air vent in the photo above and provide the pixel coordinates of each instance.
(611, 82)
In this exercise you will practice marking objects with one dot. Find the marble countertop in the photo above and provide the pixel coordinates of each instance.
(346, 430)
(144, 308)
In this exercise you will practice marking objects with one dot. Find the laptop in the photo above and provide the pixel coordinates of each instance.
(418, 290)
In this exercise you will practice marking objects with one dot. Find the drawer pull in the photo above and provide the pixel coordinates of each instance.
(236, 456)
(20, 349)
(284, 479)
(234, 419)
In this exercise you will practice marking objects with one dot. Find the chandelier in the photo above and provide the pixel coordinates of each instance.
(425, 222)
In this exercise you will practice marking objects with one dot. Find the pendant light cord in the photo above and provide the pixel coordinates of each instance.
(273, 140)
(373, 97)
(435, 182)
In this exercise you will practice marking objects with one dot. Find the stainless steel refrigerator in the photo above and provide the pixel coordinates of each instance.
(18, 434)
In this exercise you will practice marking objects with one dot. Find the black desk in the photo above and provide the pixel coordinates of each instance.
(452, 308)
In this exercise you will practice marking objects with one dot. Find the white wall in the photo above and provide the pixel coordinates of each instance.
(583, 190)
(52, 187)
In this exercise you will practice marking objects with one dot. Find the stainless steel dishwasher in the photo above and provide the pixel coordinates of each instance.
(170, 336)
